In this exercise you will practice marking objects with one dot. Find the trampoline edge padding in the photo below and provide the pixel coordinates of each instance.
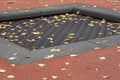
(97, 12)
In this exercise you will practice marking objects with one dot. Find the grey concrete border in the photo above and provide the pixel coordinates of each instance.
(97, 12)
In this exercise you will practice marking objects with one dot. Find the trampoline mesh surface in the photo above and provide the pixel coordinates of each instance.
(54, 30)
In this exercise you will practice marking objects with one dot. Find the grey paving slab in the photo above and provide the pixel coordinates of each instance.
(64, 50)
(11, 52)
(107, 41)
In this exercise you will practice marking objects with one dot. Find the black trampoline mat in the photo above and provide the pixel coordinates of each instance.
(54, 30)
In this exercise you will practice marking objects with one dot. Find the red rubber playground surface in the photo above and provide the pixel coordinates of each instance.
(101, 64)
(20, 4)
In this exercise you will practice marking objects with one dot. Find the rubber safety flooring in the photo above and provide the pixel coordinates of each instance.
(100, 64)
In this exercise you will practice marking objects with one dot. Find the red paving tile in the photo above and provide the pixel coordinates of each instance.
(18, 4)
(102, 64)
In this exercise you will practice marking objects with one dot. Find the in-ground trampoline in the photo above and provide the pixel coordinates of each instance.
(27, 36)
(37, 30)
